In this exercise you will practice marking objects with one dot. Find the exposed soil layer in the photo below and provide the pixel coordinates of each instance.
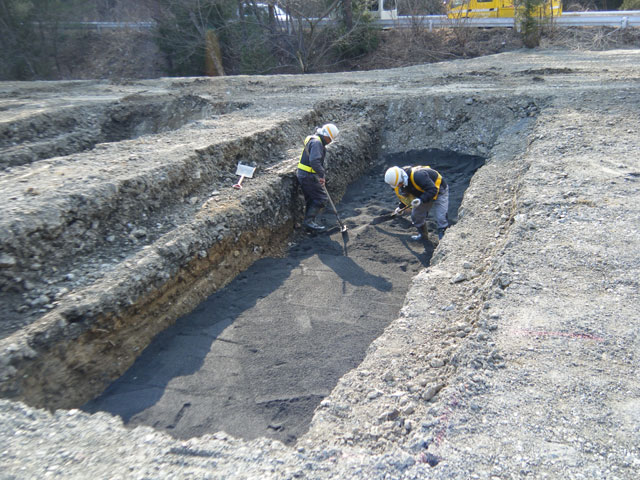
(529, 305)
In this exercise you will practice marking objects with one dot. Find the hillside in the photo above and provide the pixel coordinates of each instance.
(132, 54)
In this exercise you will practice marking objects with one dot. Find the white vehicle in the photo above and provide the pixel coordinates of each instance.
(384, 9)
(261, 11)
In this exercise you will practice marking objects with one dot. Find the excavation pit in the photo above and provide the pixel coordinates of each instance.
(256, 358)
(121, 241)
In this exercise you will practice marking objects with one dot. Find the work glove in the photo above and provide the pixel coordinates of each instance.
(416, 202)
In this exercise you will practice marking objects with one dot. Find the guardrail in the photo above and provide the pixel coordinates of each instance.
(432, 21)
(106, 25)
(626, 19)
(622, 19)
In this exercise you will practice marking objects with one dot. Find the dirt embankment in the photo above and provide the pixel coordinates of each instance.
(528, 306)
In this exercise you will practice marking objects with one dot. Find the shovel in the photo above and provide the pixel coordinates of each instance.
(343, 228)
(389, 216)
(243, 171)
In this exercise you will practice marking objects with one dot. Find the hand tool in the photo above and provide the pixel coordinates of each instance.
(343, 228)
(243, 171)
(389, 216)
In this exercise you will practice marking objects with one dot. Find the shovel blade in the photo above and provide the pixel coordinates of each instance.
(245, 170)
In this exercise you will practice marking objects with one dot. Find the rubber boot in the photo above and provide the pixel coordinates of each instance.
(310, 220)
(422, 234)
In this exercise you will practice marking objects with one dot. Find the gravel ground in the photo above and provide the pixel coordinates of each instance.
(515, 351)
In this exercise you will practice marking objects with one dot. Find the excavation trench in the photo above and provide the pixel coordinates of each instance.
(257, 357)
(199, 236)
(32, 136)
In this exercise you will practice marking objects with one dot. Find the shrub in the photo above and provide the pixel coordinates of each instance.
(630, 5)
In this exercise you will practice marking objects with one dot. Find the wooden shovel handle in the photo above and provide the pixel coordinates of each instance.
(238, 185)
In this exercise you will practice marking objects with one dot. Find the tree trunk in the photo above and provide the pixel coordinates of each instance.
(348, 14)
(213, 58)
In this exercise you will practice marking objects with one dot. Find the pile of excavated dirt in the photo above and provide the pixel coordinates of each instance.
(514, 352)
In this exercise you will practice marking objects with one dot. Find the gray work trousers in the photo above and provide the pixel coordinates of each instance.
(440, 208)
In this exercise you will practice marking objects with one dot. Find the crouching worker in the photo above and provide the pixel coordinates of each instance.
(311, 174)
(421, 188)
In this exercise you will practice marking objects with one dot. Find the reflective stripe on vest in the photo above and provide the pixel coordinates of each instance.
(301, 165)
(437, 182)
(405, 199)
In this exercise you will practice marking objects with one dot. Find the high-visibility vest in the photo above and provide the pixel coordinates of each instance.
(437, 182)
(406, 199)
(301, 165)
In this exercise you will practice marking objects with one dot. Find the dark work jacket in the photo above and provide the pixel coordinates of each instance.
(313, 155)
(425, 178)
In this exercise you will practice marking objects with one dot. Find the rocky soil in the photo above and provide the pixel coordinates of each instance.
(514, 354)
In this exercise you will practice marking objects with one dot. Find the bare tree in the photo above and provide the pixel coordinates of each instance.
(187, 32)
(319, 31)
(31, 36)
(263, 36)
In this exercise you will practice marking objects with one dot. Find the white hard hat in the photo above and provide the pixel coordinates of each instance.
(329, 130)
(395, 176)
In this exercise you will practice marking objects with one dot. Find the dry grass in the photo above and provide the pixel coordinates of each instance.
(415, 45)
(134, 55)
(594, 38)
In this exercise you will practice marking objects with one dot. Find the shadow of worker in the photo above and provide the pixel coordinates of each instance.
(352, 273)
(422, 250)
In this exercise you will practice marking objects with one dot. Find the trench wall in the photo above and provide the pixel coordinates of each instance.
(94, 334)
(464, 124)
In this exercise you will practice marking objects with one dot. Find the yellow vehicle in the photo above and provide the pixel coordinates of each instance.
(499, 8)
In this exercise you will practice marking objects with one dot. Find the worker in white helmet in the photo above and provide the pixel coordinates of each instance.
(421, 188)
(311, 173)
